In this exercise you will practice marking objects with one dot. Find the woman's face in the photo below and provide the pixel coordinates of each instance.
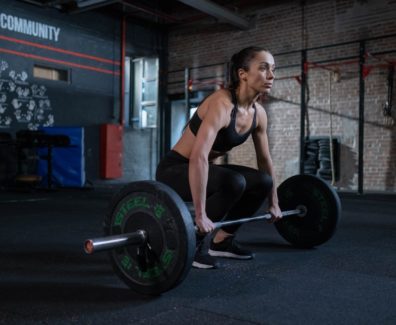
(261, 73)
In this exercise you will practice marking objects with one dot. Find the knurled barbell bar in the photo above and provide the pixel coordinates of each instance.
(150, 233)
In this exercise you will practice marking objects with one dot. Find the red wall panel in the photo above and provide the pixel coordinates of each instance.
(111, 150)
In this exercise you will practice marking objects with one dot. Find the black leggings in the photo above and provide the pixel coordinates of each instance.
(232, 192)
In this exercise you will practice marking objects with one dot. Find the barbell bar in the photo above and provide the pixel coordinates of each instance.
(299, 211)
(139, 237)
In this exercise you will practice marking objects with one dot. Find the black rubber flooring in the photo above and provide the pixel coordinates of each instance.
(46, 278)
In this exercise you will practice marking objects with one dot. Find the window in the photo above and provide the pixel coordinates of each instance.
(145, 93)
(50, 73)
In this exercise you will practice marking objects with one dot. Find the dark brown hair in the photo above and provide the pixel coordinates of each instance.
(241, 60)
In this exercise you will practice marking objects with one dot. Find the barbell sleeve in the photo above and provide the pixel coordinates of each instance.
(100, 244)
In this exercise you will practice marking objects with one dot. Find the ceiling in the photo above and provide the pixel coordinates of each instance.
(171, 13)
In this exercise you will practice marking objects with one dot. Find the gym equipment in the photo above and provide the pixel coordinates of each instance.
(151, 236)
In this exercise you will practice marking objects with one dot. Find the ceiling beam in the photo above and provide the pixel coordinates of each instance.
(219, 12)
(91, 3)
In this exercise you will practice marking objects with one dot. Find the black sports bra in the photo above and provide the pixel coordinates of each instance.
(227, 138)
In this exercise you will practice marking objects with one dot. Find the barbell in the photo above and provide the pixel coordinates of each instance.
(139, 237)
(151, 237)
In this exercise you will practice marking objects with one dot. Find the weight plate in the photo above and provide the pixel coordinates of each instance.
(163, 263)
(323, 211)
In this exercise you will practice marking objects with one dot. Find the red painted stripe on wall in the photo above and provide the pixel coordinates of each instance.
(71, 64)
(55, 49)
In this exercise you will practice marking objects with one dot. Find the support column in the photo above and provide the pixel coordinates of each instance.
(303, 108)
(362, 58)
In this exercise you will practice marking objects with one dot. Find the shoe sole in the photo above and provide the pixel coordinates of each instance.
(229, 255)
(203, 266)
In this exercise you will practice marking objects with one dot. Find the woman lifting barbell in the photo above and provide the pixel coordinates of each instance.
(224, 120)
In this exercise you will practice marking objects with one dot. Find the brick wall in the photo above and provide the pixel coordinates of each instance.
(279, 27)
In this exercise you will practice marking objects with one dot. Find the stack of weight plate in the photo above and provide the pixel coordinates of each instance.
(311, 157)
(324, 159)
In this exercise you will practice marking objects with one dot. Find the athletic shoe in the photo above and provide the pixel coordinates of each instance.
(229, 248)
(203, 260)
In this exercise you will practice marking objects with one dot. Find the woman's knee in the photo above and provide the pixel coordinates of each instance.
(234, 184)
(264, 182)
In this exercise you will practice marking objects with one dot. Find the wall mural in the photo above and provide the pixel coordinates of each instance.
(22, 103)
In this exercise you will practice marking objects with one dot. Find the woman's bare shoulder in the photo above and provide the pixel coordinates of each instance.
(260, 109)
(220, 96)
(219, 101)
(261, 115)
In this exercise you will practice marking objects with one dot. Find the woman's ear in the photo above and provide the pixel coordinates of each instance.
(242, 74)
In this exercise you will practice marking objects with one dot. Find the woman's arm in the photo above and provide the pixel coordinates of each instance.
(264, 161)
(215, 118)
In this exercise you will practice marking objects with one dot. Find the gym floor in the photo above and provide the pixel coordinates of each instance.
(46, 278)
